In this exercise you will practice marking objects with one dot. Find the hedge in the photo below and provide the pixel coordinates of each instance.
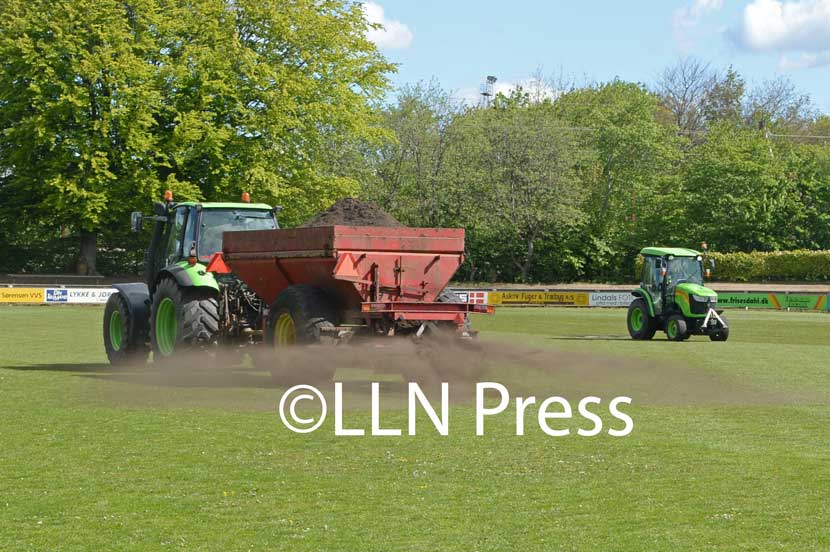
(801, 265)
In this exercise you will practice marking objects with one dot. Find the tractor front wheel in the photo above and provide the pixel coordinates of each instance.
(723, 333)
(120, 342)
(640, 324)
(182, 318)
(676, 328)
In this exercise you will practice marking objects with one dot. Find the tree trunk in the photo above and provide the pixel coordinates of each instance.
(87, 254)
(528, 262)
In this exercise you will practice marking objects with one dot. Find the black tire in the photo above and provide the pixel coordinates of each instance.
(723, 333)
(649, 324)
(310, 310)
(120, 345)
(197, 317)
(680, 331)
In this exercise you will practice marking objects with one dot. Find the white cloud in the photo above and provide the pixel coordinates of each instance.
(774, 25)
(799, 26)
(687, 18)
(392, 35)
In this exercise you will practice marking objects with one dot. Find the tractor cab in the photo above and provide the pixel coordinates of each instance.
(672, 297)
(187, 234)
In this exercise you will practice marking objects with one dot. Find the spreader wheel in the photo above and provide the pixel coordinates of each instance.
(300, 316)
(676, 327)
(640, 324)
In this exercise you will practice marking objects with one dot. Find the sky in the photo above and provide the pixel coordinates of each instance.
(460, 42)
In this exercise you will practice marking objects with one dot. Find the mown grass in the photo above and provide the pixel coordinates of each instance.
(93, 458)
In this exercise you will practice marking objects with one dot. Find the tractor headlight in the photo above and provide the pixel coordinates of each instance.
(702, 299)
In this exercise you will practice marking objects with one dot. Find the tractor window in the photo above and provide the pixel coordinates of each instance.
(174, 240)
(215, 222)
(685, 269)
(650, 273)
(189, 231)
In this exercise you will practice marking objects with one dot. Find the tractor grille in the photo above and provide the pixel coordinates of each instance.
(700, 307)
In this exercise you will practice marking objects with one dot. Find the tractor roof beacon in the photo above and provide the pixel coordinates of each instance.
(672, 297)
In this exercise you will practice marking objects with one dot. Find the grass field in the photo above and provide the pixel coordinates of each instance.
(730, 451)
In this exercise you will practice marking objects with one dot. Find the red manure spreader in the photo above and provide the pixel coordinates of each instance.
(343, 281)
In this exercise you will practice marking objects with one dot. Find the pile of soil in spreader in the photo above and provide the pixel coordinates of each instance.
(352, 212)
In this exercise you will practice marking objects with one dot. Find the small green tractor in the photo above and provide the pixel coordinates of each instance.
(672, 297)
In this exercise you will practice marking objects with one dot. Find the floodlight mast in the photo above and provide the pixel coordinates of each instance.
(487, 91)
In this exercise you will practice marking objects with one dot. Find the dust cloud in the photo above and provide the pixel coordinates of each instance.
(254, 378)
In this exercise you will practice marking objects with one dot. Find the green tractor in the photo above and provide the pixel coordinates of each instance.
(181, 305)
(672, 297)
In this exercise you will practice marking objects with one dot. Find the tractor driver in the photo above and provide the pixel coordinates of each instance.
(683, 269)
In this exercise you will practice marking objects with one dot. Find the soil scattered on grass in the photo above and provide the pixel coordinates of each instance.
(224, 380)
(352, 212)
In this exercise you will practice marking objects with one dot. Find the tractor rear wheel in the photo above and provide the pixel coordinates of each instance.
(182, 318)
(640, 324)
(119, 342)
(723, 333)
(676, 328)
(300, 316)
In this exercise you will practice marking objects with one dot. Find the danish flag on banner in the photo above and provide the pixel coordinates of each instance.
(478, 297)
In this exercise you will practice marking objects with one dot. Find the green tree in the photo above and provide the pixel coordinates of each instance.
(531, 160)
(105, 103)
(507, 174)
(808, 172)
(76, 112)
(723, 100)
(737, 194)
(630, 173)
(409, 168)
(267, 96)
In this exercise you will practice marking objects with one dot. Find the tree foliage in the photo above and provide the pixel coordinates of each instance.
(571, 185)
(105, 103)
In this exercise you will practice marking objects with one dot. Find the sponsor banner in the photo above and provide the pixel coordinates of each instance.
(622, 299)
(52, 296)
(772, 301)
(528, 297)
(88, 295)
(57, 295)
(796, 301)
(21, 295)
(565, 298)
(610, 298)
(748, 300)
